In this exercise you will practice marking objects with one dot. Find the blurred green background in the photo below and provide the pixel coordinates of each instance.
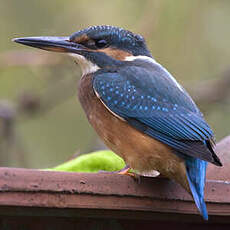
(41, 121)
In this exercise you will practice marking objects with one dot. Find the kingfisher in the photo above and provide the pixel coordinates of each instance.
(137, 107)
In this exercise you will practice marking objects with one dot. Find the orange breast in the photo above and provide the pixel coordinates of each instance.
(139, 150)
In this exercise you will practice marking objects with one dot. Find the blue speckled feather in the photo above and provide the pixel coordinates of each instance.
(147, 96)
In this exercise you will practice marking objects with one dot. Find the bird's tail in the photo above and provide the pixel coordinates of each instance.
(196, 174)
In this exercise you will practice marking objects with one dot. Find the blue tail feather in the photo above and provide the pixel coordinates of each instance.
(196, 174)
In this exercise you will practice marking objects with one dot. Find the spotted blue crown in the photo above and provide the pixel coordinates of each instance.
(117, 38)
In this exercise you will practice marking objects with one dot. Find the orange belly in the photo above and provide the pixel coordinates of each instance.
(138, 150)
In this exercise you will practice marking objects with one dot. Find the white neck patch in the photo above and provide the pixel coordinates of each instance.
(140, 57)
(146, 58)
(86, 65)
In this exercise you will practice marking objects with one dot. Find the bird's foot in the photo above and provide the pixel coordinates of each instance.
(125, 171)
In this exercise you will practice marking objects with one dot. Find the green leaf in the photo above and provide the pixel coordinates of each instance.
(92, 162)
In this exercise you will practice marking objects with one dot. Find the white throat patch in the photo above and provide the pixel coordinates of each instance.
(86, 65)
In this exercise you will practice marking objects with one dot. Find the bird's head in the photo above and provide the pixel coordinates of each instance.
(94, 47)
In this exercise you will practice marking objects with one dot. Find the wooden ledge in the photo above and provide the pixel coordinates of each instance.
(63, 194)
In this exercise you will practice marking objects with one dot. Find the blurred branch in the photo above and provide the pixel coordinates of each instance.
(30, 103)
(9, 142)
(7, 114)
(27, 58)
(212, 91)
(33, 104)
(56, 93)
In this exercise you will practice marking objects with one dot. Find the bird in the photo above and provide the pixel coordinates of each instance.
(137, 107)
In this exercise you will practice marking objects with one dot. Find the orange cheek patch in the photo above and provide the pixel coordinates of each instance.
(116, 53)
(83, 38)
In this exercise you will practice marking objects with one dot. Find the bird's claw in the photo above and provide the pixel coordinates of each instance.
(125, 171)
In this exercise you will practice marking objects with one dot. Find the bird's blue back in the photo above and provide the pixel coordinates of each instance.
(146, 96)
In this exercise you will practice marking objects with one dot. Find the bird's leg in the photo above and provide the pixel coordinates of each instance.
(124, 171)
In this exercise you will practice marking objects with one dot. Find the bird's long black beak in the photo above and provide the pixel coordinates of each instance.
(56, 44)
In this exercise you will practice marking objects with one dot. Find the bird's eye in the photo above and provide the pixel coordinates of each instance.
(90, 43)
(101, 43)
(95, 44)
